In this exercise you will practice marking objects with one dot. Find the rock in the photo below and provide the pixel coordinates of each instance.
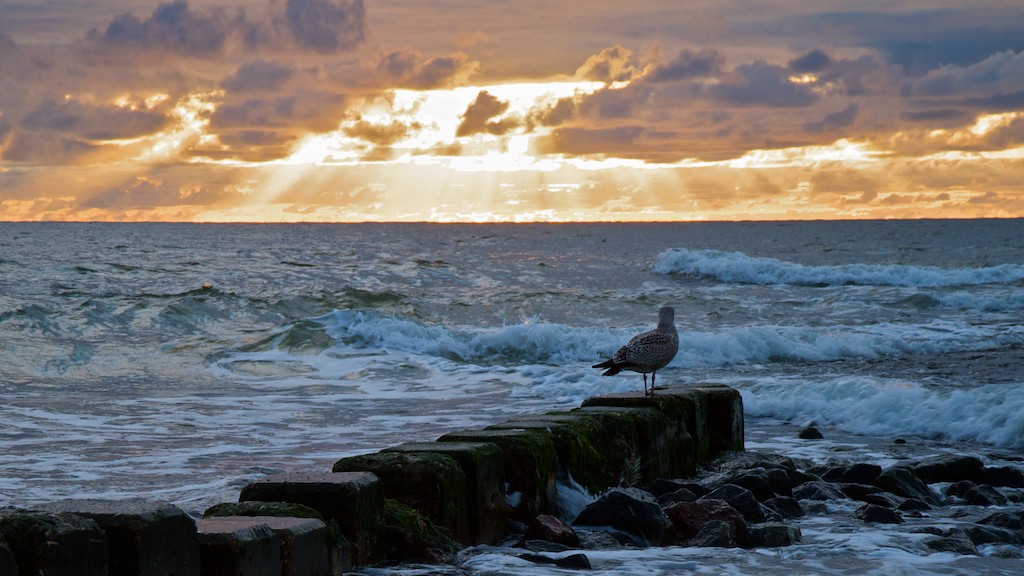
(872, 513)
(716, 534)
(55, 544)
(780, 480)
(680, 495)
(572, 562)
(832, 474)
(785, 506)
(949, 468)
(662, 486)
(912, 505)
(1011, 520)
(688, 517)
(631, 511)
(885, 499)
(953, 540)
(1004, 476)
(976, 495)
(410, 536)
(980, 535)
(8, 567)
(544, 546)
(741, 499)
(903, 482)
(859, 491)
(772, 536)
(597, 539)
(861, 474)
(810, 433)
(755, 480)
(551, 529)
(238, 545)
(818, 490)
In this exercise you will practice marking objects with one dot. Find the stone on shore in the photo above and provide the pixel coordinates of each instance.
(54, 544)
(632, 513)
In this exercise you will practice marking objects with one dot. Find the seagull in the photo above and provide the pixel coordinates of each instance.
(647, 352)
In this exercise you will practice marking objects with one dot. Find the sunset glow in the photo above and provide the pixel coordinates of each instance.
(176, 111)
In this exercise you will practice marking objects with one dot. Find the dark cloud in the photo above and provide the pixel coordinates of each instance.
(762, 84)
(1002, 73)
(174, 27)
(614, 64)
(326, 26)
(259, 75)
(379, 134)
(814, 61)
(842, 119)
(318, 111)
(582, 141)
(478, 116)
(562, 111)
(687, 65)
(410, 69)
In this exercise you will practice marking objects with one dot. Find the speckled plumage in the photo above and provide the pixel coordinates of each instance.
(647, 352)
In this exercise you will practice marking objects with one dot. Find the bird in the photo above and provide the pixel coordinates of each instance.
(647, 352)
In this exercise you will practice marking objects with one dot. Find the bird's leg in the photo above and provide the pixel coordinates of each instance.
(652, 381)
(645, 383)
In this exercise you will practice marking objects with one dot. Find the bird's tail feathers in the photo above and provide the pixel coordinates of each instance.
(612, 367)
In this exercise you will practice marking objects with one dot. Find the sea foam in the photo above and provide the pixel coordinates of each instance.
(742, 268)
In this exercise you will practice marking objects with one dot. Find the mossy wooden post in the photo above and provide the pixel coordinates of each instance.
(647, 437)
(431, 483)
(679, 456)
(483, 465)
(725, 417)
(529, 459)
(584, 451)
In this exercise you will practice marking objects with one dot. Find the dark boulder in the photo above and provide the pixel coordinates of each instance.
(754, 480)
(949, 468)
(689, 517)
(715, 534)
(785, 507)
(1004, 476)
(550, 529)
(741, 499)
(772, 536)
(664, 486)
(1011, 520)
(818, 490)
(861, 474)
(859, 491)
(631, 511)
(903, 482)
(810, 433)
(872, 513)
(953, 540)
(680, 495)
(975, 494)
(980, 534)
(572, 562)
(885, 499)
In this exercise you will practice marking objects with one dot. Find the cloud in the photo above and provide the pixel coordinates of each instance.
(998, 73)
(813, 61)
(619, 140)
(326, 26)
(409, 68)
(173, 27)
(478, 116)
(689, 64)
(842, 119)
(762, 84)
(259, 75)
(614, 64)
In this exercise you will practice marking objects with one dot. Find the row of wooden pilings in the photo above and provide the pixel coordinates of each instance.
(474, 483)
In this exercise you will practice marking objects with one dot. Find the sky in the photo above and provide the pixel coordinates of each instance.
(510, 110)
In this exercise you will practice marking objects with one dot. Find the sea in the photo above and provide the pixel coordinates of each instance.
(178, 362)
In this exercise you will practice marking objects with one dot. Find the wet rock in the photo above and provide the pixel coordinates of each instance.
(572, 562)
(975, 494)
(980, 535)
(631, 511)
(885, 499)
(594, 539)
(861, 474)
(780, 481)
(949, 468)
(953, 540)
(872, 513)
(810, 433)
(741, 499)
(664, 486)
(688, 517)
(411, 536)
(772, 536)
(903, 482)
(785, 507)
(48, 543)
(818, 490)
(1011, 520)
(913, 505)
(859, 491)
(549, 528)
(544, 546)
(755, 480)
(715, 534)
(1004, 476)
(680, 495)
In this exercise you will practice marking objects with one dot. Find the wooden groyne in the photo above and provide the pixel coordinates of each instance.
(477, 485)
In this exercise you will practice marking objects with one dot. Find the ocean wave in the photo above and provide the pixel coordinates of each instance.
(991, 414)
(741, 268)
(537, 342)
